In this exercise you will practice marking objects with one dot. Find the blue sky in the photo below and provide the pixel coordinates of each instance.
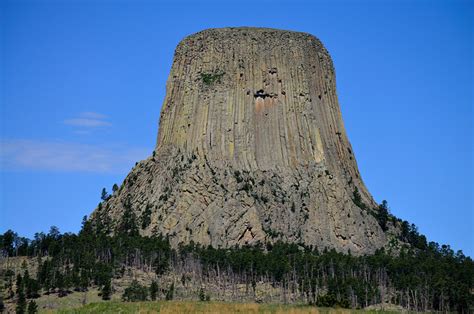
(82, 83)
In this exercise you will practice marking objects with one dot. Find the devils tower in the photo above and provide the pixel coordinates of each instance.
(251, 149)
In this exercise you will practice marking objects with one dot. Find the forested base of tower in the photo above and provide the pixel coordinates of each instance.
(195, 198)
(135, 268)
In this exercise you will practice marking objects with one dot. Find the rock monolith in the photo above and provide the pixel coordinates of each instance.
(251, 149)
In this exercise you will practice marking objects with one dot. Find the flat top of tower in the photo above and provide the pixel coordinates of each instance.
(228, 37)
(250, 31)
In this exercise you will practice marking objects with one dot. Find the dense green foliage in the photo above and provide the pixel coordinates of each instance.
(136, 292)
(433, 278)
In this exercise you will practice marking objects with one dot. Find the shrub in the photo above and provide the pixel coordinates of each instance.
(32, 307)
(330, 300)
(246, 187)
(357, 199)
(203, 296)
(327, 300)
(170, 293)
(211, 78)
(238, 176)
(153, 290)
(106, 290)
(136, 292)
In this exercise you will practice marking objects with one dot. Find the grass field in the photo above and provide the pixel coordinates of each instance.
(201, 307)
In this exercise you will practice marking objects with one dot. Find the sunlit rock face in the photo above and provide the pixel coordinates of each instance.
(251, 149)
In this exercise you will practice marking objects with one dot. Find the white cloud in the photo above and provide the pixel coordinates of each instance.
(92, 115)
(87, 120)
(67, 156)
(88, 123)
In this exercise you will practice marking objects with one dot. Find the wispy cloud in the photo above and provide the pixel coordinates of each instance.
(88, 123)
(88, 120)
(93, 115)
(67, 156)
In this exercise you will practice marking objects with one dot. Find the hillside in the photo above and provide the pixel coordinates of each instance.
(63, 269)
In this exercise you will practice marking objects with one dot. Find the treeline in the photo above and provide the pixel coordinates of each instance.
(435, 278)
(408, 232)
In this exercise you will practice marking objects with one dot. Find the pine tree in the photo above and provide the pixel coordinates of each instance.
(60, 284)
(104, 195)
(153, 290)
(383, 215)
(84, 281)
(170, 292)
(32, 307)
(106, 290)
(32, 289)
(26, 278)
(145, 218)
(24, 265)
(128, 224)
(19, 284)
(30, 285)
(21, 301)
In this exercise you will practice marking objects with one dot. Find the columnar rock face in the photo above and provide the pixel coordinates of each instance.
(251, 149)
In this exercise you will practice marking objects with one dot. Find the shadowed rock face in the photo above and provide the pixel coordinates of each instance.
(251, 148)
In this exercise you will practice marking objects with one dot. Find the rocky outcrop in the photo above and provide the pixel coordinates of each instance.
(251, 148)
